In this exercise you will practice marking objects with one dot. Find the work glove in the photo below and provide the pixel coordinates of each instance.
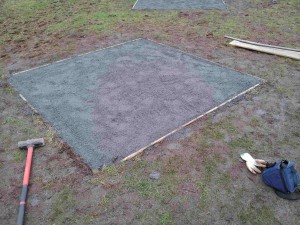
(253, 164)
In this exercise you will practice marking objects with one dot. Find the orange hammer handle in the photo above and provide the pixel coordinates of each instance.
(28, 166)
(23, 197)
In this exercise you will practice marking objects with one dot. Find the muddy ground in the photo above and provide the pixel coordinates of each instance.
(202, 180)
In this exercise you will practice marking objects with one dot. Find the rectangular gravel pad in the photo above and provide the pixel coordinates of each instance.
(178, 4)
(112, 102)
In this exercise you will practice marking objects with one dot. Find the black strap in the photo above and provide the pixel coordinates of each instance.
(282, 166)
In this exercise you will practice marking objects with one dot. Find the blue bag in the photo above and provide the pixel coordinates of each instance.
(282, 176)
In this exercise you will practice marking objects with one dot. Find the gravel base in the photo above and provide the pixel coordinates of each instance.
(110, 103)
(179, 4)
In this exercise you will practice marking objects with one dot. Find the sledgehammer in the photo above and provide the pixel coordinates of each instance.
(29, 145)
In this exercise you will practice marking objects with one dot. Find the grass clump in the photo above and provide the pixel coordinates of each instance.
(166, 219)
(62, 211)
(105, 202)
(242, 142)
(264, 215)
(11, 120)
(19, 155)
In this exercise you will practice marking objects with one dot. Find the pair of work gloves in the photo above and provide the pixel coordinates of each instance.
(254, 165)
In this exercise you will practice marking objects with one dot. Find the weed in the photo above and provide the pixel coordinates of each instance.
(9, 90)
(19, 38)
(11, 120)
(110, 170)
(104, 202)
(204, 190)
(165, 219)
(146, 188)
(50, 136)
(38, 121)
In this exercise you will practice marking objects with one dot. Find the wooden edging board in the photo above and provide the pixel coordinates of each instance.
(186, 124)
(270, 50)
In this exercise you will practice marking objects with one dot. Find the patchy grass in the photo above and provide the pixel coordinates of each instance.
(62, 209)
(258, 216)
(50, 136)
(104, 202)
(244, 142)
(11, 120)
(9, 90)
(166, 219)
(19, 155)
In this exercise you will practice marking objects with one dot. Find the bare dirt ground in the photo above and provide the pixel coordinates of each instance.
(202, 179)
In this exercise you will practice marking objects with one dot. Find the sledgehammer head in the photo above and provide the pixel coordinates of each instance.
(31, 143)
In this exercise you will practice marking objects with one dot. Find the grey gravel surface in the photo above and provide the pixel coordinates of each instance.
(179, 4)
(110, 103)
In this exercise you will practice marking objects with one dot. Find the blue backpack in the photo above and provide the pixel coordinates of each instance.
(282, 176)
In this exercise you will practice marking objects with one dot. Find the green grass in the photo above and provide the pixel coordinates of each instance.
(62, 209)
(50, 136)
(166, 219)
(243, 142)
(19, 155)
(9, 90)
(11, 120)
(23, 9)
(160, 190)
(112, 170)
(104, 202)
(258, 216)
(107, 17)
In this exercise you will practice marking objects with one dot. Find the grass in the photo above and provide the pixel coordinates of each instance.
(166, 219)
(62, 209)
(19, 155)
(9, 90)
(262, 215)
(104, 202)
(11, 120)
(243, 142)
(50, 136)
(160, 190)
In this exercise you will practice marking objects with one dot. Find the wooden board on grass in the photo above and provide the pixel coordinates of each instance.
(271, 50)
